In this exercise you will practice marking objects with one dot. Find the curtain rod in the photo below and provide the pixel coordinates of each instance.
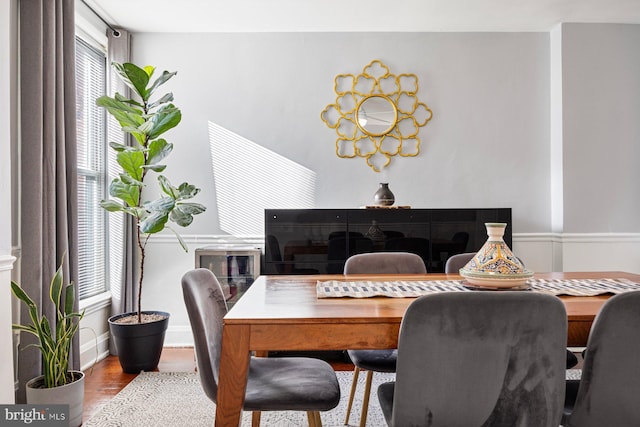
(116, 33)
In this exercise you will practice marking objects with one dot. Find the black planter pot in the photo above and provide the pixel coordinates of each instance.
(139, 345)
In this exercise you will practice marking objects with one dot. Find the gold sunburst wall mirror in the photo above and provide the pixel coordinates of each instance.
(377, 115)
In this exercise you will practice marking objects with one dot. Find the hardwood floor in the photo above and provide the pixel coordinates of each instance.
(107, 379)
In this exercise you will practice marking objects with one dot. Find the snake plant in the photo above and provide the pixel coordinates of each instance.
(54, 339)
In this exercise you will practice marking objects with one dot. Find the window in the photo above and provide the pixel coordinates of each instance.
(91, 77)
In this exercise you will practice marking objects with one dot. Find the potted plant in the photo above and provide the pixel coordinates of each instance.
(139, 336)
(58, 384)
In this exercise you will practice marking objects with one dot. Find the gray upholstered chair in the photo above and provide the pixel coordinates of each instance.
(515, 377)
(456, 262)
(273, 384)
(377, 360)
(608, 391)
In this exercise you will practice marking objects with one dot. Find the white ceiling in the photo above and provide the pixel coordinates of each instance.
(359, 15)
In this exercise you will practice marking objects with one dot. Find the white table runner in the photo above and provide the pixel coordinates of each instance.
(411, 288)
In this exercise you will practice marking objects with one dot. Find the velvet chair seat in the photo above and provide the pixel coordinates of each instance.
(290, 384)
(374, 360)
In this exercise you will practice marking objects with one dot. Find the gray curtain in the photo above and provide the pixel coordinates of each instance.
(124, 290)
(48, 202)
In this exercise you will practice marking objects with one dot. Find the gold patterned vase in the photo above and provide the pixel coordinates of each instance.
(495, 266)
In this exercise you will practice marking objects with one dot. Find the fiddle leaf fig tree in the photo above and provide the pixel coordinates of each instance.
(146, 120)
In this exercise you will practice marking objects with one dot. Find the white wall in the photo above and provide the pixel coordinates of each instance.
(601, 138)
(487, 145)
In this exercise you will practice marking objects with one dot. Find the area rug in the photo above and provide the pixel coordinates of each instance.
(175, 399)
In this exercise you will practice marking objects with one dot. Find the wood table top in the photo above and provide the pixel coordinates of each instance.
(286, 298)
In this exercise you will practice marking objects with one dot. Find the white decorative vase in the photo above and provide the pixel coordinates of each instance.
(71, 394)
(495, 266)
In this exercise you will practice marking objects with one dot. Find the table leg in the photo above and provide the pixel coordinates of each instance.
(234, 365)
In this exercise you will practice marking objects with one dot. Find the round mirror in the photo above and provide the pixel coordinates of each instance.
(376, 115)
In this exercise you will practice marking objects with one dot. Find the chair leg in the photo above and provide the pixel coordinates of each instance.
(314, 419)
(365, 400)
(354, 384)
(255, 419)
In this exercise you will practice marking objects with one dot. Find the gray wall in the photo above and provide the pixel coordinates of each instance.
(487, 145)
(601, 139)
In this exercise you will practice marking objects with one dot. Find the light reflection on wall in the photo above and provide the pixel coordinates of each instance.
(249, 178)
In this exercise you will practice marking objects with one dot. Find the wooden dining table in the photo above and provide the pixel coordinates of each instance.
(283, 312)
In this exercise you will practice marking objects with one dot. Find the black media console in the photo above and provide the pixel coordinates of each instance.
(318, 241)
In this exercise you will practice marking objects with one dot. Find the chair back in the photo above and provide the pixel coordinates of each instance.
(385, 263)
(206, 307)
(517, 372)
(610, 383)
(456, 262)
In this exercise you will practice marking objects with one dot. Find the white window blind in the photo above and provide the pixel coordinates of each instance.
(91, 75)
(115, 220)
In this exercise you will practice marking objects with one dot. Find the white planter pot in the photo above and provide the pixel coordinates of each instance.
(71, 394)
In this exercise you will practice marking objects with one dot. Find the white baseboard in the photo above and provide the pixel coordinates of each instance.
(178, 336)
(94, 351)
(97, 350)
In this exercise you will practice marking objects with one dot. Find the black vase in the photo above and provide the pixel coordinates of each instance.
(384, 196)
(139, 345)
